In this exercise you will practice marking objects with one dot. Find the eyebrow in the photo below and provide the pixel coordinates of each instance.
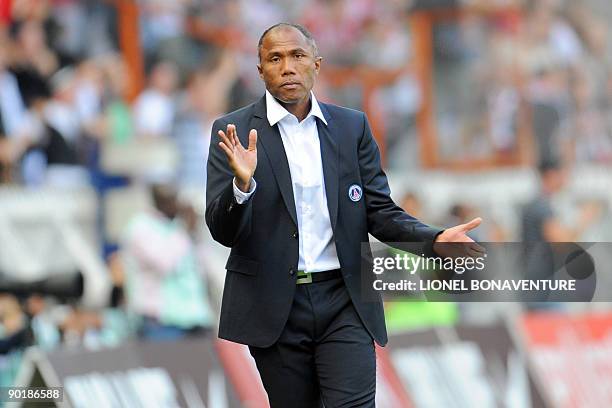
(272, 53)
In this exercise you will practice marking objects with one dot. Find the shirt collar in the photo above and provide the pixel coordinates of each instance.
(276, 112)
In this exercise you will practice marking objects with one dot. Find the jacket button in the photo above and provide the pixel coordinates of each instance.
(291, 272)
(294, 235)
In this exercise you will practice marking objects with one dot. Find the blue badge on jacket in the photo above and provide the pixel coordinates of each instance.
(354, 193)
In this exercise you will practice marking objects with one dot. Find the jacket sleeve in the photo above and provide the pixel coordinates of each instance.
(386, 221)
(228, 221)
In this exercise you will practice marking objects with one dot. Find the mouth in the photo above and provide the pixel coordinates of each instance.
(290, 85)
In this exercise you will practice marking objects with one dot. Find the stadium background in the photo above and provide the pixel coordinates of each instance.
(100, 100)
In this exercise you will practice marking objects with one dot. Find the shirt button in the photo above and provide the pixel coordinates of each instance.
(291, 272)
(294, 235)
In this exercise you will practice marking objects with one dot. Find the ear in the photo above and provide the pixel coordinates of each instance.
(318, 64)
(260, 71)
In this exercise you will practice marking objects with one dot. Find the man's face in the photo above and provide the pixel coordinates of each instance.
(288, 65)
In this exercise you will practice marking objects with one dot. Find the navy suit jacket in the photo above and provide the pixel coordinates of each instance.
(263, 232)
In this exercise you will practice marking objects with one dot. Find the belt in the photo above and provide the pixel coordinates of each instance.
(312, 277)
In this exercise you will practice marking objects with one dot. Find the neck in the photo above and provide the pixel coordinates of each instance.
(299, 109)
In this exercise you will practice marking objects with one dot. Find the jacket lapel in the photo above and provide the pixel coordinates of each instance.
(272, 144)
(330, 156)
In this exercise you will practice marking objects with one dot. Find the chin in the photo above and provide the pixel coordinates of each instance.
(287, 100)
(290, 99)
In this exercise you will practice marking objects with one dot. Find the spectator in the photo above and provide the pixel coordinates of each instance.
(13, 333)
(52, 157)
(155, 108)
(12, 107)
(14, 336)
(117, 124)
(163, 281)
(13, 117)
(191, 132)
(541, 226)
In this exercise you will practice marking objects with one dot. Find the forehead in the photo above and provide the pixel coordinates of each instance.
(284, 37)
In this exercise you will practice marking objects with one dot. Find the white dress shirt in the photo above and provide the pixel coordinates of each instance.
(317, 249)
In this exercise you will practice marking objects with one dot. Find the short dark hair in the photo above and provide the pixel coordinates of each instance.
(163, 194)
(298, 27)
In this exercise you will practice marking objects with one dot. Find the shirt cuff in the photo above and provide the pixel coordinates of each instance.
(241, 196)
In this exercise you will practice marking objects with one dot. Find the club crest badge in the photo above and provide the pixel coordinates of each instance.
(354, 193)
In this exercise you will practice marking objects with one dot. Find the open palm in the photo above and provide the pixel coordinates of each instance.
(242, 161)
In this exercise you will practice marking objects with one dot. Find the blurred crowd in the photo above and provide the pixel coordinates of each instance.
(529, 77)
(532, 73)
(546, 66)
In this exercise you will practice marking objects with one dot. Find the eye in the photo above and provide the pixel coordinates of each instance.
(275, 59)
(299, 56)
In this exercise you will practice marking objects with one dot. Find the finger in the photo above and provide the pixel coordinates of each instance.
(252, 140)
(236, 140)
(234, 137)
(224, 138)
(228, 152)
(231, 134)
(472, 224)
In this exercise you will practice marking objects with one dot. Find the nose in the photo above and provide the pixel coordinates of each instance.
(287, 67)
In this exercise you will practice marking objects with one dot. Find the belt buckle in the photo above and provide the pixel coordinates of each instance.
(303, 277)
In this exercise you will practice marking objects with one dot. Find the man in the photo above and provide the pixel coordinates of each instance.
(163, 285)
(295, 206)
(541, 227)
(13, 118)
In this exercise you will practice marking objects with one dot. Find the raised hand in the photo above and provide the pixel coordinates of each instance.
(242, 161)
(446, 244)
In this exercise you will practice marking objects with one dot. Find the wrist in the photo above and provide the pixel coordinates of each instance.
(438, 236)
(243, 186)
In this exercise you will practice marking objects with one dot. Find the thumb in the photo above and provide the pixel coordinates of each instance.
(252, 140)
(472, 224)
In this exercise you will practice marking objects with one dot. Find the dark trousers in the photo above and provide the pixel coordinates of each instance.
(324, 356)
